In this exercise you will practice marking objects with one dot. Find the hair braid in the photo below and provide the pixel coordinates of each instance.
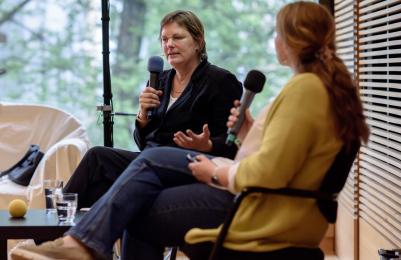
(308, 30)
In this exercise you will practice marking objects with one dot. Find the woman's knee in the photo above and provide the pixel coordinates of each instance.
(99, 154)
(161, 154)
(96, 150)
(91, 153)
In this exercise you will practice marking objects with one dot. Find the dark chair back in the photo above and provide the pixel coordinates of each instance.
(335, 179)
(326, 197)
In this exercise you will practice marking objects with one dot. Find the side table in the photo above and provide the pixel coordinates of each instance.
(36, 225)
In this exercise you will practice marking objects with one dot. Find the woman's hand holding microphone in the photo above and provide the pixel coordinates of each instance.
(247, 123)
(148, 100)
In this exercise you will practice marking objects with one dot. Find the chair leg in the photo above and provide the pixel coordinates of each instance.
(172, 254)
(117, 250)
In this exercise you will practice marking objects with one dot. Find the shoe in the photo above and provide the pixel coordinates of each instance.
(50, 250)
(26, 242)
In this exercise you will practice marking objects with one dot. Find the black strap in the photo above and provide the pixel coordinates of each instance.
(332, 184)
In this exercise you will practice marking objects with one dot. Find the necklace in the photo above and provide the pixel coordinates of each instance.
(179, 84)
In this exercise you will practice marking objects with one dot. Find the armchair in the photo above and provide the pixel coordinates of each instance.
(61, 138)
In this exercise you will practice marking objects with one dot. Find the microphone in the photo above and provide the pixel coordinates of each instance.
(155, 66)
(253, 84)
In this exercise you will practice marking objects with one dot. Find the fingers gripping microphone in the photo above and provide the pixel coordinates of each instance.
(253, 84)
(155, 66)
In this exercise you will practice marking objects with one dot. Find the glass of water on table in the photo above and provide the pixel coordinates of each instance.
(66, 204)
(52, 188)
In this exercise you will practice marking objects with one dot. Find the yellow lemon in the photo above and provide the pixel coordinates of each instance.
(17, 208)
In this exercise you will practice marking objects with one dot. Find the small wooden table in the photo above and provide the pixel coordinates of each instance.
(36, 225)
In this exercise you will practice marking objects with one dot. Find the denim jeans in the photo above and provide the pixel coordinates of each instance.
(156, 200)
(96, 173)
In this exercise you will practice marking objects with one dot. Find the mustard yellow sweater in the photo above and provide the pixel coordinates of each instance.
(298, 146)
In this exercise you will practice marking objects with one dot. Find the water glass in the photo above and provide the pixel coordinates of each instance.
(51, 189)
(66, 204)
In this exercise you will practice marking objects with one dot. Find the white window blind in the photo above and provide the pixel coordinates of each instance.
(368, 35)
(379, 74)
(346, 49)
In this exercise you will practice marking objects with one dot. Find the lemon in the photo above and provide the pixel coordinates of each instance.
(17, 208)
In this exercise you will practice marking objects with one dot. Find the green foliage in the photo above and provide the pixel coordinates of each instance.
(53, 53)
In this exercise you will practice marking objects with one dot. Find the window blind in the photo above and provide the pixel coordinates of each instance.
(379, 76)
(346, 50)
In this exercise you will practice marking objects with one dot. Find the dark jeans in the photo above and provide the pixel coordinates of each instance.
(97, 171)
(156, 200)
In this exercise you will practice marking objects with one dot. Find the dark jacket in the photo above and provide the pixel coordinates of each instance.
(207, 99)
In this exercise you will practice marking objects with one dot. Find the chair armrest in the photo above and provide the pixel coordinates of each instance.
(320, 195)
(245, 192)
(59, 162)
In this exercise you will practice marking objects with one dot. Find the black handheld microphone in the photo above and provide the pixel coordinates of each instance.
(155, 66)
(253, 84)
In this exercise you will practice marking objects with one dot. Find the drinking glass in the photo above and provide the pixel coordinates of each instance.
(52, 188)
(66, 205)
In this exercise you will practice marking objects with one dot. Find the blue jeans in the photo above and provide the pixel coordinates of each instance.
(155, 201)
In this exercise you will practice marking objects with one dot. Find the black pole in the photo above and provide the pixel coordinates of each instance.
(107, 107)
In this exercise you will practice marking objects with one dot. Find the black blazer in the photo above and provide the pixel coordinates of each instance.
(207, 99)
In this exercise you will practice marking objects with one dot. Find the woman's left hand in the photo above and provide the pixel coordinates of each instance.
(202, 169)
(190, 140)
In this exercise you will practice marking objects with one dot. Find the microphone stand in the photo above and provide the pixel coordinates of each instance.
(107, 107)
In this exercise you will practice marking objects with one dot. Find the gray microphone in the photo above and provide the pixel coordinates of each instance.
(253, 84)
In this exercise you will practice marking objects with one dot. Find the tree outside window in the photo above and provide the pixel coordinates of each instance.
(50, 52)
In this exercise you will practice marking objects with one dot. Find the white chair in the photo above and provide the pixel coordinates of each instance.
(60, 136)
